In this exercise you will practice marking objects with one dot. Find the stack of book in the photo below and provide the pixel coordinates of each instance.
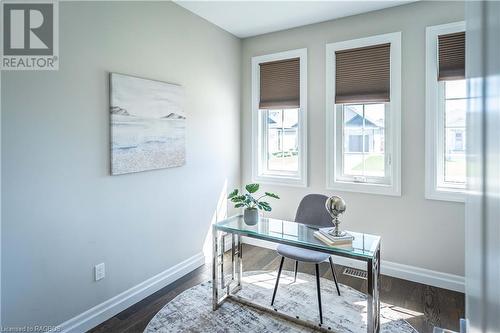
(325, 235)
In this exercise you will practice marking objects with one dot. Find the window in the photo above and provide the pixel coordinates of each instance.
(446, 103)
(363, 115)
(281, 132)
(455, 103)
(279, 114)
(364, 145)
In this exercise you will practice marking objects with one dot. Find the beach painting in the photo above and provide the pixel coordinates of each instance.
(148, 124)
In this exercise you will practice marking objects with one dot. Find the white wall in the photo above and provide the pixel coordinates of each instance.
(63, 213)
(415, 231)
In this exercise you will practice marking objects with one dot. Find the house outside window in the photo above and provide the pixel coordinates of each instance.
(282, 140)
(454, 110)
(364, 139)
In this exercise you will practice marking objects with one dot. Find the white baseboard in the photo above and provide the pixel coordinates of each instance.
(406, 272)
(102, 312)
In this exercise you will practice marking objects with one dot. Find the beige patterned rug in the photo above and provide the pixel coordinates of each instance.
(191, 311)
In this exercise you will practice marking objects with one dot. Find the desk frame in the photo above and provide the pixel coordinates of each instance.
(230, 288)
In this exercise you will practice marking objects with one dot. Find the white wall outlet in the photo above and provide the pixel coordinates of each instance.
(99, 272)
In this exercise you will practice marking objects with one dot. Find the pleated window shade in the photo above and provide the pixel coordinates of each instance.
(280, 84)
(363, 75)
(451, 56)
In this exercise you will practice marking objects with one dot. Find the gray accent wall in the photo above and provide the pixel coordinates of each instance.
(62, 211)
(415, 231)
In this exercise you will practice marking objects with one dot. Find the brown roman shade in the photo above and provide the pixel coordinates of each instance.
(451, 56)
(363, 74)
(280, 84)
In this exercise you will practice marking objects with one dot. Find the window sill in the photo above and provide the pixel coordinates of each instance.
(277, 179)
(453, 195)
(369, 188)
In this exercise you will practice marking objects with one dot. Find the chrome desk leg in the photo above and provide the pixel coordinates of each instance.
(236, 264)
(215, 268)
(222, 240)
(218, 283)
(239, 264)
(373, 313)
(220, 290)
(377, 299)
(233, 252)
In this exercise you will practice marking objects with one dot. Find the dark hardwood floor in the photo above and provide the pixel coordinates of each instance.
(425, 306)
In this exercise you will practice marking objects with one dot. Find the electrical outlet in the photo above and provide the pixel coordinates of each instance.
(99, 272)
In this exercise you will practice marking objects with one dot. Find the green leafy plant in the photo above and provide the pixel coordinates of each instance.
(248, 201)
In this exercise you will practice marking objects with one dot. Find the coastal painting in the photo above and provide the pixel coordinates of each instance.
(148, 124)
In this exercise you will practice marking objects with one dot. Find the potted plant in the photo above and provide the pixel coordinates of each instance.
(252, 205)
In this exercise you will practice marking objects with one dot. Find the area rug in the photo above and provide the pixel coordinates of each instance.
(191, 311)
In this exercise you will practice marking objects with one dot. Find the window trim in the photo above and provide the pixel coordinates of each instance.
(393, 121)
(434, 117)
(279, 178)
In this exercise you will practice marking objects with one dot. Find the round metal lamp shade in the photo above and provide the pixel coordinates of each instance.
(335, 206)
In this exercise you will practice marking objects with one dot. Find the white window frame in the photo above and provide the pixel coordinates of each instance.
(434, 118)
(259, 173)
(334, 179)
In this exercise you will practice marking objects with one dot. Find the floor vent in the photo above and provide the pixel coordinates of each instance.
(355, 273)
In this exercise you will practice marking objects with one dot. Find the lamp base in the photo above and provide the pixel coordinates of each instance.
(337, 233)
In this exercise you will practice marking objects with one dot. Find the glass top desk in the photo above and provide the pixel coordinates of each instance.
(365, 248)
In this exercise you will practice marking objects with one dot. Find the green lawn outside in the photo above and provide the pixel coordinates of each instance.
(372, 163)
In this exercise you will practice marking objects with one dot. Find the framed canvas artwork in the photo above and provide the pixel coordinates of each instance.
(148, 124)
